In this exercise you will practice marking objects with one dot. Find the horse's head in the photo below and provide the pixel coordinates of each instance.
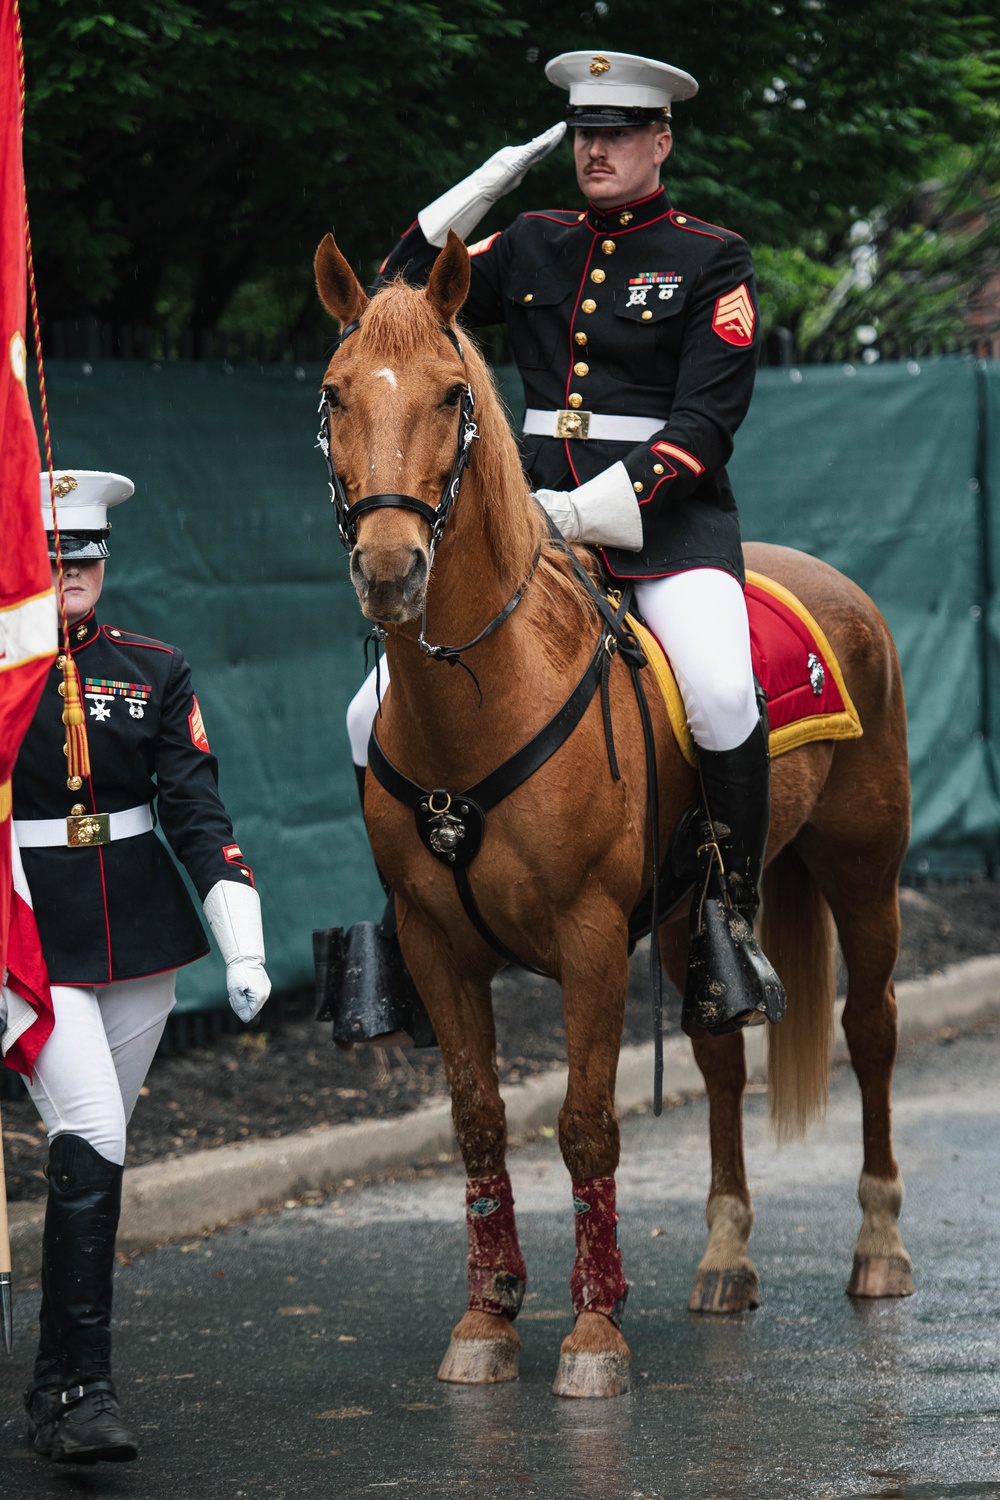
(394, 391)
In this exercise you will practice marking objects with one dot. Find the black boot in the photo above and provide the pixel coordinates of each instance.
(73, 1412)
(730, 982)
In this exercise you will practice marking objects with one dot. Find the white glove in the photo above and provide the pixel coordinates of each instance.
(233, 913)
(604, 510)
(462, 206)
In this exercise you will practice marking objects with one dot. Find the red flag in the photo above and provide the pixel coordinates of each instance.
(27, 604)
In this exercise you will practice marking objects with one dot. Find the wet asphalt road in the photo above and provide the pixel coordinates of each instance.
(295, 1356)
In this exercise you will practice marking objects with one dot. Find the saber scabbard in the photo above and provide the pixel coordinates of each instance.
(6, 1292)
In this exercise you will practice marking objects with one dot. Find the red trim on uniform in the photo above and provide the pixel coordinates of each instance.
(104, 897)
(620, 208)
(687, 225)
(671, 572)
(95, 984)
(119, 640)
(617, 234)
(233, 855)
(671, 450)
(481, 246)
(573, 213)
(572, 320)
(663, 479)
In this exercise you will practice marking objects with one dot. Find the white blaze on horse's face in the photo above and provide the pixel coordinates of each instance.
(393, 431)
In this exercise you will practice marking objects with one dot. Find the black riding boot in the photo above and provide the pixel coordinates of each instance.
(73, 1412)
(730, 982)
(362, 983)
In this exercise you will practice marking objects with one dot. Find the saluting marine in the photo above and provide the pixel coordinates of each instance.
(115, 923)
(636, 331)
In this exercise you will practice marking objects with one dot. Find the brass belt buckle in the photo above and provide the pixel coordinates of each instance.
(573, 424)
(86, 830)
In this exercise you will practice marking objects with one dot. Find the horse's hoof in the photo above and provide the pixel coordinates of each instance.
(881, 1276)
(594, 1376)
(484, 1350)
(725, 1292)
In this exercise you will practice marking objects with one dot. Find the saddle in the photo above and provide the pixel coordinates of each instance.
(794, 663)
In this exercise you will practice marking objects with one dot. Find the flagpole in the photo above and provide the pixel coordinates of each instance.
(6, 1292)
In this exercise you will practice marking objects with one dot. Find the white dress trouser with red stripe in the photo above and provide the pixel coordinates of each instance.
(700, 619)
(89, 1073)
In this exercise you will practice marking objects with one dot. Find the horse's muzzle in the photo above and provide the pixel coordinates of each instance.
(390, 588)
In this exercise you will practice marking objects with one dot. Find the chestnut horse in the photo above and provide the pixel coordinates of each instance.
(566, 857)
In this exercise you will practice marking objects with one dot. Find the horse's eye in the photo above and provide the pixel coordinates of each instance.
(454, 396)
(332, 396)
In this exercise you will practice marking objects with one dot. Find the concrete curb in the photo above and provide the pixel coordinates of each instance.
(191, 1194)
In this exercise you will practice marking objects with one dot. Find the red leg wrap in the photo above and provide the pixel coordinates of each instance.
(598, 1283)
(497, 1272)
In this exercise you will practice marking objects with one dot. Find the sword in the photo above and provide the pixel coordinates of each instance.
(6, 1294)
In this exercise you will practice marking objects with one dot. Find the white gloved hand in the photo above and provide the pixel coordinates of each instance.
(462, 206)
(233, 913)
(603, 511)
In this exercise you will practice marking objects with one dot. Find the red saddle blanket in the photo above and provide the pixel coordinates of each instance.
(807, 696)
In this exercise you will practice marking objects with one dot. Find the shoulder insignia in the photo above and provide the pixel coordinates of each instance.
(734, 318)
(481, 246)
(196, 725)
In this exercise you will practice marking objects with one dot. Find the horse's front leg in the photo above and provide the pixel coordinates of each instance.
(595, 1359)
(484, 1346)
(726, 1281)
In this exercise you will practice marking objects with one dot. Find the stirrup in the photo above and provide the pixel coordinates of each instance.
(364, 987)
(730, 981)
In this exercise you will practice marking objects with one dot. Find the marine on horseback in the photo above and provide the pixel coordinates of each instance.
(636, 331)
(510, 803)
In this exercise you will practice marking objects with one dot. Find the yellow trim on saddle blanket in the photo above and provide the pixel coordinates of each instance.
(845, 725)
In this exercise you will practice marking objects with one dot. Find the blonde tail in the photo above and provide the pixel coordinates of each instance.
(798, 936)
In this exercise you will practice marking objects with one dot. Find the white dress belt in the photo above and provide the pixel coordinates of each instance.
(72, 832)
(602, 426)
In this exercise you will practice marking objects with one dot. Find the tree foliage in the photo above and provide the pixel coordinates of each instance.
(183, 159)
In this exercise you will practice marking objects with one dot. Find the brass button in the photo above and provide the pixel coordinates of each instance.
(625, 218)
(657, 468)
(575, 400)
(529, 296)
(589, 305)
(245, 872)
(74, 782)
(66, 752)
(60, 661)
(580, 218)
(597, 275)
(115, 633)
(579, 338)
(680, 219)
(77, 810)
(581, 369)
(61, 690)
(638, 487)
(646, 315)
(608, 247)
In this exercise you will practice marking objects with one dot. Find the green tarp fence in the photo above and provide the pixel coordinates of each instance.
(229, 550)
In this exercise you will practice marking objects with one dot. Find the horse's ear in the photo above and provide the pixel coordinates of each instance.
(448, 283)
(340, 290)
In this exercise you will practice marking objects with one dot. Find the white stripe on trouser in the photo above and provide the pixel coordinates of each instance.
(89, 1073)
(700, 619)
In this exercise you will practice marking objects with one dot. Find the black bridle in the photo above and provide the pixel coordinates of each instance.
(437, 517)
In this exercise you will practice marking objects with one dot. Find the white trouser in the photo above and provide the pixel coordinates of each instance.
(89, 1073)
(700, 619)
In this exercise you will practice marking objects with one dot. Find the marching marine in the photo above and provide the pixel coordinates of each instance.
(115, 923)
(636, 331)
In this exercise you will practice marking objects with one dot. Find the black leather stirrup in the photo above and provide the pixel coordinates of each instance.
(730, 981)
(362, 983)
